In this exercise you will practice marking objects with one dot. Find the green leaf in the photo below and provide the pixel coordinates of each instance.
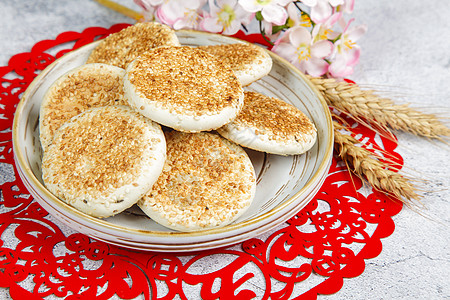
(276, 29)
(259, 16)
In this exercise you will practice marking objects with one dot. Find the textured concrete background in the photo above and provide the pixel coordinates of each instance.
(405, 53)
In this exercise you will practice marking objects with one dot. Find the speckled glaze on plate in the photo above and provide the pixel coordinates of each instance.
(285, 184)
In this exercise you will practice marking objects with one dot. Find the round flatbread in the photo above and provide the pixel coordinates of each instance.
(104, 160)
(248, 61)
(183, 88)
(206, 182)
(271, 125)
(121, 48)
(87, 86)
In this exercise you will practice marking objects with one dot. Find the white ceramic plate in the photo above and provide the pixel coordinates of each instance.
(284, 185)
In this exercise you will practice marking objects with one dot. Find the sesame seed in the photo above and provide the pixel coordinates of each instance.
(279, 120)
(238, 56)
(185, 80)
(103, 149)
(92, 85)
(121, 48)
(206, 181)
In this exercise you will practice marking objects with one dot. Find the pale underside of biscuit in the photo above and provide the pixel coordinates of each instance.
(206, 182)
(104, 160)
(87, 86)
(121, 48)
(248, 61)
(184, 88)
(271, 125)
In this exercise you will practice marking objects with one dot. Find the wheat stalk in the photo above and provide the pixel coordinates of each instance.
(365, 164)
(121, 9)
(383, 112)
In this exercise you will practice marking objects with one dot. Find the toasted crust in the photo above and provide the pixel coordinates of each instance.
(121, 48)
(271, 125)
(206, 182)
(90, 85)
(104, 160)
(248, 61)
(183, 88)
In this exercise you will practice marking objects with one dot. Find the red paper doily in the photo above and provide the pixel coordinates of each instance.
(309, 255)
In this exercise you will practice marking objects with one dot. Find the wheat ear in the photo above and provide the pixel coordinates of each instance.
(365, 104)
(365, 164)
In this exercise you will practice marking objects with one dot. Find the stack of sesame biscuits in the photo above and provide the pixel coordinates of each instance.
(194, 174)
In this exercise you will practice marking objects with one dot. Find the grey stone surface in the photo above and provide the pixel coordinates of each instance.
(405, 54)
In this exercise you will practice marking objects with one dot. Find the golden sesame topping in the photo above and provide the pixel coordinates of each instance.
(238, 56)
(274, 117)
(186, 80)
(121, 48)
(205, 182)
(91, 85)
(98, 152)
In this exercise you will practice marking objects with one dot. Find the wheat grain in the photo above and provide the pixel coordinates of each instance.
(366, 164)
(365, 106)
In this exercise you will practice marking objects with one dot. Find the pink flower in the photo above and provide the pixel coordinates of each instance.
(296, 18)
(321, 10)
(148, 8)
(226, 17)
(298, 47)
(347, 7)
(148, 4)
(346, 54)
(180, 14)
(324, 31)
(272, 11)
(309, 3)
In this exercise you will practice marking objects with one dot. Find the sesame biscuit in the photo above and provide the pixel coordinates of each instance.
(90, 85)
(271, 125)
(248, 61)
(184, 88)
(104, 160)
(121, 48)
(206, 182)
